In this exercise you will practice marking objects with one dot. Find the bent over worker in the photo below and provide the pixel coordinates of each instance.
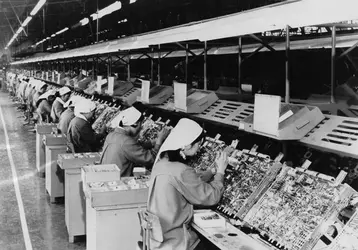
(81, 137)
(122, 148)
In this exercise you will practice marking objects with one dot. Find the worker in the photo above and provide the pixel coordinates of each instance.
(44, 105)
(67, 116)
(41, 88)
(81, 137)
(122, 148)
(176, 187)
(57, 107)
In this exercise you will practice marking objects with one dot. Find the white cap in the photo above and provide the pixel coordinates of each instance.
(183, 134)
(73, 101)
(128, 117)
(84, 106)
(47, 94)
(40, 85)
(64, 91)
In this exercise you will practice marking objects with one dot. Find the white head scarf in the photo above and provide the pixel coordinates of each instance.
(73, 101)
(40, 85)
(47, 94)
(128, 117)
(64, 91)
(84, 106)
(183, 134)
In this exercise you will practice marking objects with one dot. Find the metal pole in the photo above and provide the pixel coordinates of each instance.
(333, 63)
(287, 96)
(152, 67)
(186, 63)
(129, 69)
(97, 22)
(159, 55)
(239, 62)
(205, 66)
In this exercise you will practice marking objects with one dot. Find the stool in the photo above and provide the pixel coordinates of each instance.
(151, 229)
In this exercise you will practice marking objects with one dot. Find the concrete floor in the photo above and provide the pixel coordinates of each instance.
(45, 221)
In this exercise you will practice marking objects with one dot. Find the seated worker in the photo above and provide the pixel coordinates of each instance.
(44, 105)
(81, 137)
(57, 107)
(122, 148)
(176, 187)
(67, 116)
(41, 88)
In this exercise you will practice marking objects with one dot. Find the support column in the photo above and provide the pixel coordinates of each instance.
(287, 95)
(333, 63)
(159, 57)
(239, 62)
(205, 65)
(186, 63)
(152, 67)
(129, 69)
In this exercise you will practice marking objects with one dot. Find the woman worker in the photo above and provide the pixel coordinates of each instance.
(67, 116)
(44, 106)
(81, 138)
(122, 148)
(175, 187)
(57, 107)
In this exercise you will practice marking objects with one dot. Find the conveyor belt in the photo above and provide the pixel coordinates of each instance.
(335, 134)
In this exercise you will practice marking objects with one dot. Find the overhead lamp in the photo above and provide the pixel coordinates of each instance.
(26, 22)
(61, 31)
(106, 11)
(132, 1)
(19, 31)
(38, 7)
(84, 21)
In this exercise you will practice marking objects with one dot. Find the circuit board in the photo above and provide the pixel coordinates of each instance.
(205, 158)
(150, 130)
(294, 206)
(245, 182)
(103, 118)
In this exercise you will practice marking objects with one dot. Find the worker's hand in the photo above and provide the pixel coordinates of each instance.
(163, 134)
(103, 130)
(221, 162)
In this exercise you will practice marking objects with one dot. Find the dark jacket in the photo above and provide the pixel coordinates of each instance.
(81, 138)
(65, 119)
(124, 151)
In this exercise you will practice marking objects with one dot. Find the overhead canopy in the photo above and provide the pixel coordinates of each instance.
(273, 17)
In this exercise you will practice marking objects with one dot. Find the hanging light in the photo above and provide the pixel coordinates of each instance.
(38, 7)
(61, 31)
(26, 22)
(108, 10)
(84, 21)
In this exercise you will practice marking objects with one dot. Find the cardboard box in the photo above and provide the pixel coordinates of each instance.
(117, 193)
(55, 140)
(45, 128)
(73, 161)
(98, 173)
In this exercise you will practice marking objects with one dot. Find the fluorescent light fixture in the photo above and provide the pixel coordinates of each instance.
(84, 21)
(61, 31)
(132, 1)
(26, 22)
(53, 35)
(38, 7)
(19, 31)
(108, 10)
